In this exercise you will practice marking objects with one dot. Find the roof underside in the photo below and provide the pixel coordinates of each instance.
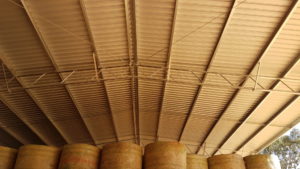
(218, 76)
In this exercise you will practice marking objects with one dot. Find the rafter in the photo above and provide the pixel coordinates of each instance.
(28, 91)
(262, 100)
(132, 53)
(131, 69)
(259, 58)
(51, 58)
(98, 63)
(168, 65)
(212, 58)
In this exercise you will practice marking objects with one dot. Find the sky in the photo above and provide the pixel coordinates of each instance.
(297, 126)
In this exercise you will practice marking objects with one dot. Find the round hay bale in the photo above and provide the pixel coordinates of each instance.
(165, 155)
(121, 155)
(262, 162)
(7, 157)
(37, 157)
(79, 156)
(226, 161)
(194, 161)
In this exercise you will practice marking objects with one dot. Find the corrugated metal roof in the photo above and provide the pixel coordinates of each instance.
(202, 73)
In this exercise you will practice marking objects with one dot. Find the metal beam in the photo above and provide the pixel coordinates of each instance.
(260, 57)
(269, 122)
(262, 100)
(131, 69)
(168, 65)
(132, 53)
(208, 67)
(136, 70)
(26, 7)
(33, 98)
(83, 7)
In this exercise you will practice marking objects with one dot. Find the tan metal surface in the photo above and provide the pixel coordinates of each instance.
(97, 71)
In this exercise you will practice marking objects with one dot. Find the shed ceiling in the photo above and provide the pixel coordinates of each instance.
(218, 76)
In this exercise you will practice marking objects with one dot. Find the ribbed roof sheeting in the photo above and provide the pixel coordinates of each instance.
(15, 127)
(150, 97)
(279, 56)
(54, 101)
(90, 97)
(9, 140)
(191, 16)
(107, 22)
(27, 110)
(77, 40)
(202, 73)
(197, 28)
(247, 36)
(154, 20)
(176, 105)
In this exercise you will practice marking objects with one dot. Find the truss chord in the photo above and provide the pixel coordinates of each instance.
(187, 70)
(168, 65)
(264, 50)
(211, 85)
(212, 58)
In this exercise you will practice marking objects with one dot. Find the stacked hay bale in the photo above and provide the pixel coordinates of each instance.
(196, 162)
(165, 155)
(7, 157)
(226, 161)
(37, 157)
(121, 155)
(79, 156)
(262, 162)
